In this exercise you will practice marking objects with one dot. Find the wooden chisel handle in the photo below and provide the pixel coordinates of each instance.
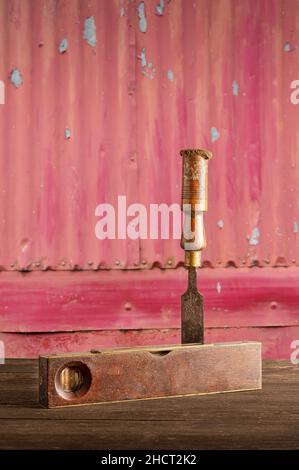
(194, 203)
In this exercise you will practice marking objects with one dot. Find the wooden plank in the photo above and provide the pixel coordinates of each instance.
(265, 419)
(147, 299)
(75, 311)
(276, 342)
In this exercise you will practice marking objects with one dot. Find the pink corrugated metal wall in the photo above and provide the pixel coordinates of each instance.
(212, 73)
(100, 96)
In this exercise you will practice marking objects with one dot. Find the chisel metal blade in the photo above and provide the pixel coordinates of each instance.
(192, 318)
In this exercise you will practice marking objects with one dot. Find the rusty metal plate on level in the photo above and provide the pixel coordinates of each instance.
(152, 372)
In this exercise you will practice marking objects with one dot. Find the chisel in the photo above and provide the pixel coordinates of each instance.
(193, 241)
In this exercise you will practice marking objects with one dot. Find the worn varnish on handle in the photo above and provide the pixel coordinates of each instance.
(141, 373)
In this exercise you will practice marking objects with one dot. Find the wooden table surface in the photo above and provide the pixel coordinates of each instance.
(267, 419)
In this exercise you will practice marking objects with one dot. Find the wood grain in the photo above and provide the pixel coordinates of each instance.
(267, 419)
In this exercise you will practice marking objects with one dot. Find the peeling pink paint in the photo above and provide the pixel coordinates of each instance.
(115, 111)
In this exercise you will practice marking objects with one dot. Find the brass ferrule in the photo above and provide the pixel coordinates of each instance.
(193, 259)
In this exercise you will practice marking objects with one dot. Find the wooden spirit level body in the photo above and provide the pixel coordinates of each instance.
(149, 372)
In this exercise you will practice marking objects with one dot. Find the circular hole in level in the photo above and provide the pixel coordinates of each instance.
(73, 380)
